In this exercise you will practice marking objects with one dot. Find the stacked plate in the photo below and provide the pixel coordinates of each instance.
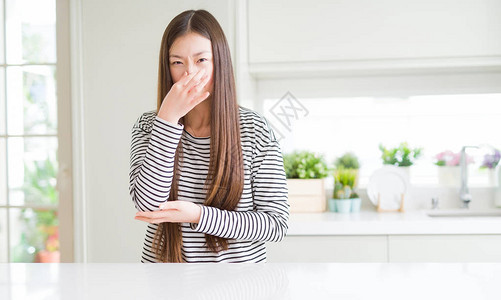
(388, 182)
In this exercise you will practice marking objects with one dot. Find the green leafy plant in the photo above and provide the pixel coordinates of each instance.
(344, 184)
(305, 165)
(40, 225)
(40, 182)
(347, 161)
(401, 156)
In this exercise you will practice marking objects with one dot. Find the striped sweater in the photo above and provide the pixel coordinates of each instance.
(262, 213)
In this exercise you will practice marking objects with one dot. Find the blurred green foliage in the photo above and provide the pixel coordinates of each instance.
(38, 224)
(401, 156)
(347, 161)
(344, 183)
(305, 165)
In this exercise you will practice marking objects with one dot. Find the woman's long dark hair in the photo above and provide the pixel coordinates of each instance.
(225, 179)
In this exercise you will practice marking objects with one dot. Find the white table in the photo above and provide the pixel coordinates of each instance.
(250, 281)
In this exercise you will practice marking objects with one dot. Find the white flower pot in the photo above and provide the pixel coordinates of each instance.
(407, 171)
(307, 195)
(497, 193)
(449, 176)
(497, 197)
(492, 175)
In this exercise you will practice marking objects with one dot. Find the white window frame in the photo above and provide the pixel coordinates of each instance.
(64, 133)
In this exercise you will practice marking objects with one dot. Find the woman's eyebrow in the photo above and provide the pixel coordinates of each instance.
(196, 54)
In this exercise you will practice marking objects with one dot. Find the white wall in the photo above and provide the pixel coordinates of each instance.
(120, 46)
(346, 30)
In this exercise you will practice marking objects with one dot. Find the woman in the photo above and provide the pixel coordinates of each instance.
(206, 173)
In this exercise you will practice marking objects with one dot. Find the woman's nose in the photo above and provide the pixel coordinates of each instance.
(191, 68)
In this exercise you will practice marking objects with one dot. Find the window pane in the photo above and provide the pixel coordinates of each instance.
(437, 123)
(3, 172)
(3, 235)
(34, 235)
(31, 100)
(3, 120)
(32, 170)
(31, 31)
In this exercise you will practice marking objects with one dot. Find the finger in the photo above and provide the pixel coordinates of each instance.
(142, 219)
(186, 78)
(168, 205)
(148, 214)
(166, 216)
(156, 215)
(199, 87)
(195, 80)
(206, 81)
(148, 220)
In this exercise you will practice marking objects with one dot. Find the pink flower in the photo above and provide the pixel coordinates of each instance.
(449, 158)
(440, 156)
(454, 160)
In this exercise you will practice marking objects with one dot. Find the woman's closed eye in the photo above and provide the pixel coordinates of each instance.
(180, 63)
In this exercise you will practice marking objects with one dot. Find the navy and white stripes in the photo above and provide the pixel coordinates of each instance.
(262, 213)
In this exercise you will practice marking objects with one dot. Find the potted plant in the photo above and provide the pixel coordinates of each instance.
(50, 254)
(39, 238)
(448, 167)
(344, 199)
(490, 162)
(401, 156)
(348, 161)
(306, 172)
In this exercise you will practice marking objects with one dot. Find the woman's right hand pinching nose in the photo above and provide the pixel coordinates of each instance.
(184, 95)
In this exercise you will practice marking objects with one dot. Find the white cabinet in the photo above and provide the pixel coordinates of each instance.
(444, 248)
(328, 249)
(387, 248)
(287, 35)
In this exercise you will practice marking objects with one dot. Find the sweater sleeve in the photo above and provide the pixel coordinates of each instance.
(153, 147)
(269, 219)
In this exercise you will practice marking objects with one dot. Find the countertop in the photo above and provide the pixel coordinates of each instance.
(250, 281)
(388, 223)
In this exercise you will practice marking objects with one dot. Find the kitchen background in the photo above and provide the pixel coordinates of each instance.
(330, 76)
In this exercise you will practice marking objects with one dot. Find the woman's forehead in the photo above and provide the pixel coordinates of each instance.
(191, 44)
